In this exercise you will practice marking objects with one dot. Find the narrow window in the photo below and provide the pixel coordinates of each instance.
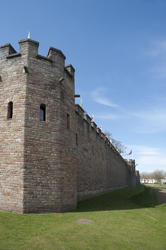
(42, 112)
(62, 96)
(10, 110)
(77, 139)
(68, 121)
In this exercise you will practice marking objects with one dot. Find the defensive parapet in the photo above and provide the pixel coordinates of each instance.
(85, 117)
(29, 49)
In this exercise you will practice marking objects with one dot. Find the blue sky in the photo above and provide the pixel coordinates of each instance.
(118, 49)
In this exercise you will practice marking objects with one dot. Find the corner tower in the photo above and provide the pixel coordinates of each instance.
(38, 163)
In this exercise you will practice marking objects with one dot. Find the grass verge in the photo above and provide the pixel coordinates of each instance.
(129, 218)
(156, 186)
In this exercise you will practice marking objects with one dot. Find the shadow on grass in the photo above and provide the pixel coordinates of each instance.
(123, 199)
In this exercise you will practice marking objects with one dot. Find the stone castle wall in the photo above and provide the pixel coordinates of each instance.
(37, 158)
(12, 89)
(46, 166)
(50, 174)
(100, 167)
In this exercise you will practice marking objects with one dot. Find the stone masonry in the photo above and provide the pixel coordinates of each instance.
(48, 165)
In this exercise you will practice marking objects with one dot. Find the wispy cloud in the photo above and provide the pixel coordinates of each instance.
(158, 48)
(149, 158)
(99, 96)
(152, 121)
(159, 71)
(144, 121)
(108, 116)
(158, 51)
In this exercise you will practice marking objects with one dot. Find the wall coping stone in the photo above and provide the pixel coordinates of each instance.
(57, 51)
(29, 40)
(69, 74)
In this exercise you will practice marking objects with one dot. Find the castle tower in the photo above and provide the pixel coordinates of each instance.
(37, 130)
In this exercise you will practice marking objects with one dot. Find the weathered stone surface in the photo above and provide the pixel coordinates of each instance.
(46, 166)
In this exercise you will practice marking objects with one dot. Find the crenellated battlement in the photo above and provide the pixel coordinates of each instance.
(7, 50)
(86, 118)
(81, 112)
(28, 48)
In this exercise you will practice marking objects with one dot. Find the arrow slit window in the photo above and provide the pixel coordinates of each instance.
(42, 112)
(10, 110)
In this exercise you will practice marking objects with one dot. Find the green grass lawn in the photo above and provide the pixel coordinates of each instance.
(124, 219)
(156, 186)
